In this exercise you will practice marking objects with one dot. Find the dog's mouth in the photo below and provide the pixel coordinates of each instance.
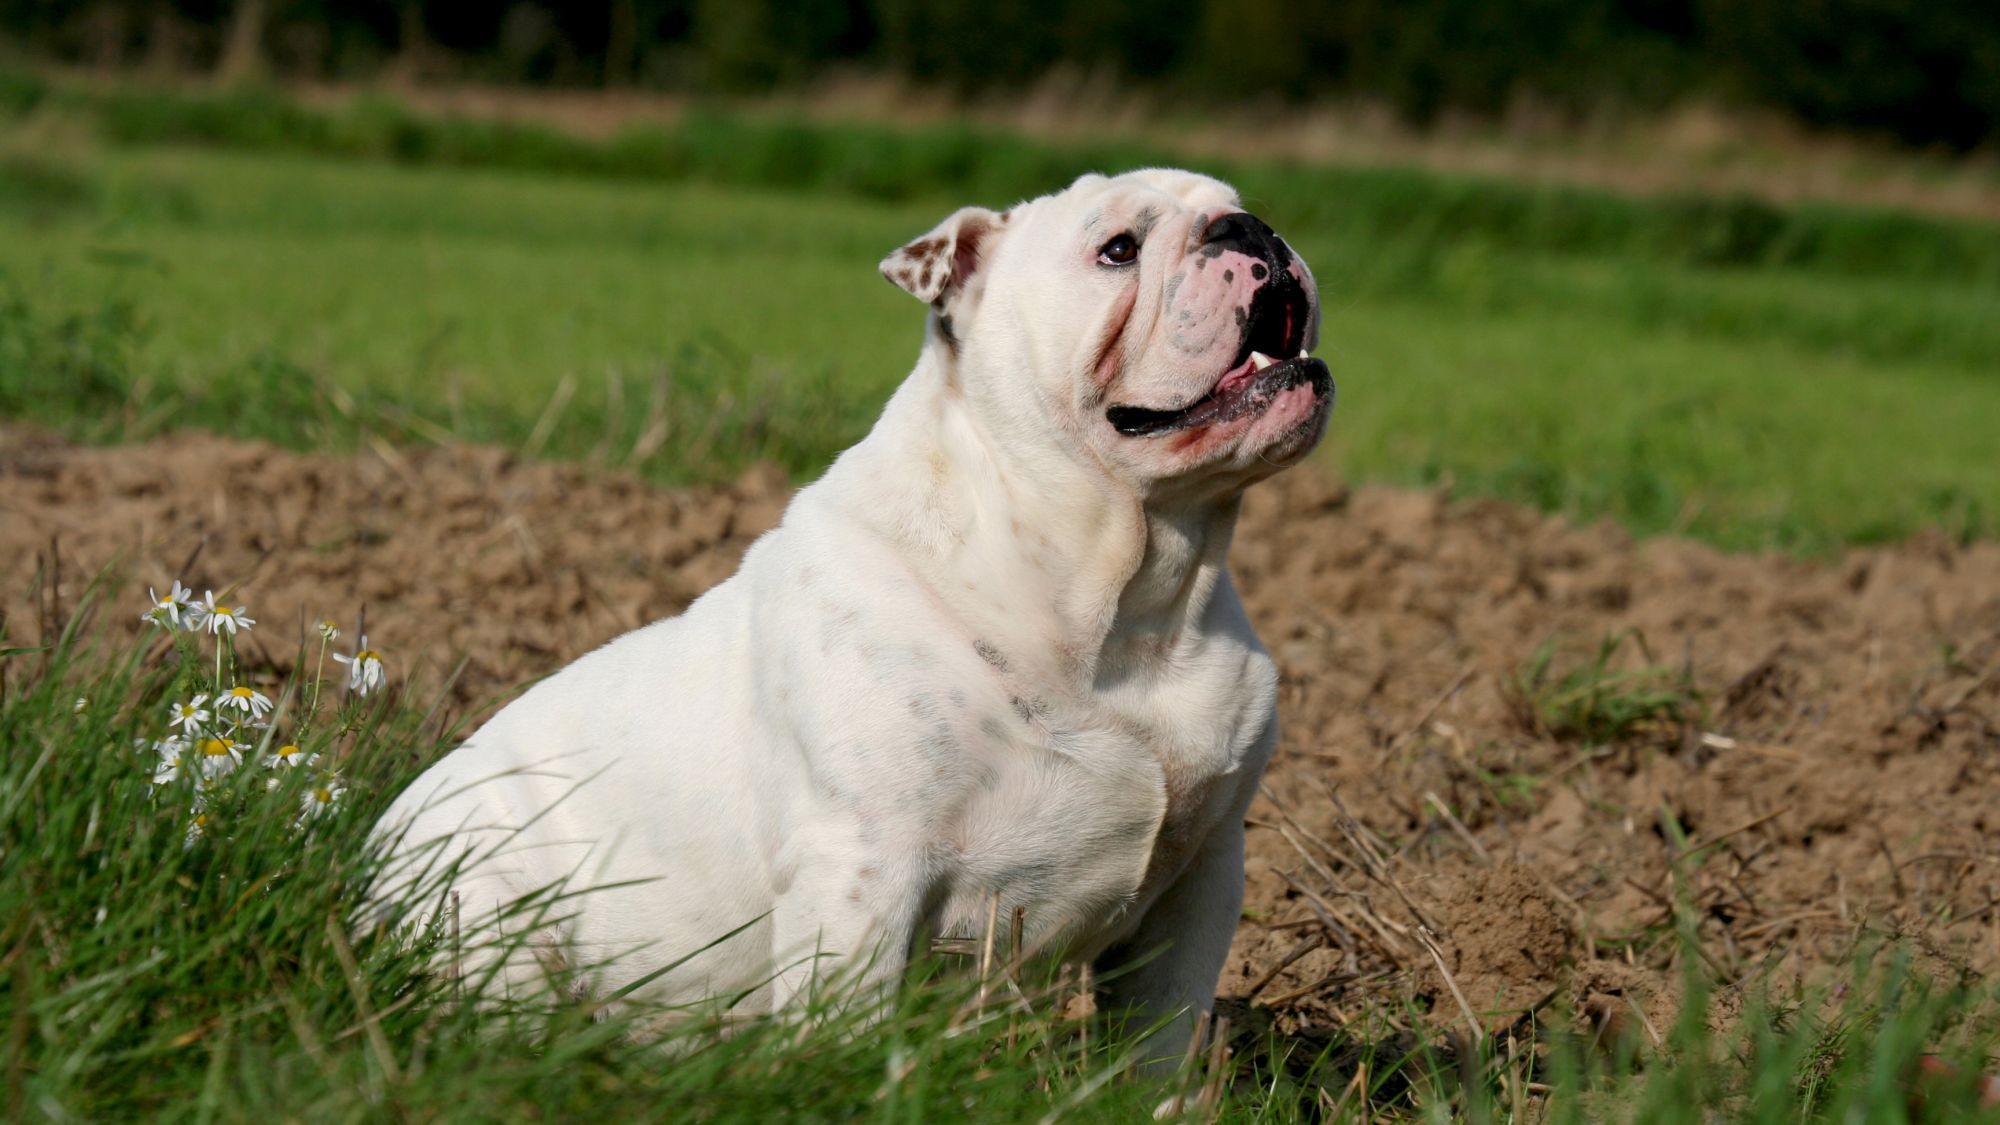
(1277, 328)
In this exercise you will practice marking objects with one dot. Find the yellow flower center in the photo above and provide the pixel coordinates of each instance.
(288, 751)
(242, 693)
(216, 747)
(367, 654)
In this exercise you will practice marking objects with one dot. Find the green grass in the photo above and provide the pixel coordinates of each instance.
(1754, 407)
(144, 975)
(894, 163)
(1758, 376)
(1597, 701)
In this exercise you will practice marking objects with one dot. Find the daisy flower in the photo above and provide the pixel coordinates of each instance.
(197, 828)
(320, 798)
(219, 756)
(222, 618)
(328, 631)
(289, 755)
(169, 767)
(253, 703)
(191, 716)
(364, 668)
(175, 611)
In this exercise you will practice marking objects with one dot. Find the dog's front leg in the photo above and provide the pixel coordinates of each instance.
(1165, 973)
(844, 925)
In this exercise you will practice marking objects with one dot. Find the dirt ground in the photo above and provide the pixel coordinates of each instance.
(1445, 834)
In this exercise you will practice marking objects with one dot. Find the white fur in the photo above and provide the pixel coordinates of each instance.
(993, 650)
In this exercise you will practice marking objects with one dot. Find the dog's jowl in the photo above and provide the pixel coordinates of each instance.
(994, 653)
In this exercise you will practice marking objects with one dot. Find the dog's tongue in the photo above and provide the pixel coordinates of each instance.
(1235, 377)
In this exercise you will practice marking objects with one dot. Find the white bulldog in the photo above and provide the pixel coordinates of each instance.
(993, 653)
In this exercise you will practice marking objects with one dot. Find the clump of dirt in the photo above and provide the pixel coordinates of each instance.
(1501, 936)
(1818, 759)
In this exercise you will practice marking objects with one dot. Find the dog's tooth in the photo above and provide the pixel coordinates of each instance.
(1303, 354)
(1259, 361)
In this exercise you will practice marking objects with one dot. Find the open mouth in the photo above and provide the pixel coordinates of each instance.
(1276, 328)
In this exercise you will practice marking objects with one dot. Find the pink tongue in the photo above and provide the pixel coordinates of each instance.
(1236, 378)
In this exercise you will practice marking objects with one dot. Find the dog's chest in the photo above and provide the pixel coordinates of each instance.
(1086, 823)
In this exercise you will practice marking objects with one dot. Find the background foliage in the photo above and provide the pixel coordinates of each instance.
(1922, 73)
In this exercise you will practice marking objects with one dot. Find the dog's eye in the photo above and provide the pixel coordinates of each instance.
(1120, 251)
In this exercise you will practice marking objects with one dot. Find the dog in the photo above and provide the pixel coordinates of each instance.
(991, 659)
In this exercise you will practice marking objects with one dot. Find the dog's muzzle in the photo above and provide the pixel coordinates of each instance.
(1272, 357)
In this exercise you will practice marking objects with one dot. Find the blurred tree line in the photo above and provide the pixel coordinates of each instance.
(1925, 73)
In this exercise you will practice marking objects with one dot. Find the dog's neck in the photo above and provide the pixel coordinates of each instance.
(1042, 553)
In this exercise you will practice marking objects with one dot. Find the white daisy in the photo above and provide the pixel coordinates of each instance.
(320, 798)
(218, 756)
(222, 617)
(169, 767)
(253, 703)
(364, 668)
(175, 611)
(81, 705)
(328, 631)
(289, 755)
(197, 828)
(190, 716)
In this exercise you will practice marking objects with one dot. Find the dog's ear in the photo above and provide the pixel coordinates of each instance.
(944, 262)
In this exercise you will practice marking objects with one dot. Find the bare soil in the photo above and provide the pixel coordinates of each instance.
(1819, 767)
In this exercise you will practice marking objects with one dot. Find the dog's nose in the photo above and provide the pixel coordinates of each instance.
(1243, 232)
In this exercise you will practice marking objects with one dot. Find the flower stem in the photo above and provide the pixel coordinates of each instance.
(312, 701)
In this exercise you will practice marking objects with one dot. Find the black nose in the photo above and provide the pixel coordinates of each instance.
(1245, 233)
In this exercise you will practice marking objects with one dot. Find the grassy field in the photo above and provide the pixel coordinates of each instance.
(1753, 376)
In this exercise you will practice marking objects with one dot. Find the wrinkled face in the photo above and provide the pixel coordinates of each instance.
(1148, 318)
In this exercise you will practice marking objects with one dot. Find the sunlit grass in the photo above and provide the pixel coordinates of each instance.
(1647, 392)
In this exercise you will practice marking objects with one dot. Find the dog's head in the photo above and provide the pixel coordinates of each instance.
(1146, 319)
